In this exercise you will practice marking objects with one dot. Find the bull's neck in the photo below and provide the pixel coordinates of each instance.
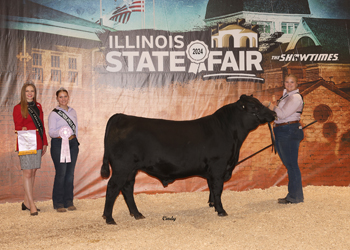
(230, 117)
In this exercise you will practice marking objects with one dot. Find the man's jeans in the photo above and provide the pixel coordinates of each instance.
(62, 195)
(288, 139)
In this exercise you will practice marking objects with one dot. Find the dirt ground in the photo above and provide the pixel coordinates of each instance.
(185, 221)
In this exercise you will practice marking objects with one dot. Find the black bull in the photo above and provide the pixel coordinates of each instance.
(168, 150)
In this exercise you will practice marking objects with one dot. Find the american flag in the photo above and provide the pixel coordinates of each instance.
(122, 14)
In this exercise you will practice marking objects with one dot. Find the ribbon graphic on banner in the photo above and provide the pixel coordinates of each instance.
(197, 51)
(65, 132)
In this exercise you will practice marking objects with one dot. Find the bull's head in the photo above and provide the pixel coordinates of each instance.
(255, 108)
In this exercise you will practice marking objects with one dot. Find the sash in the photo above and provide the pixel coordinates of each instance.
(303, 104)
(286, 95)
(37, 122)
(66, 118)
(26, 142)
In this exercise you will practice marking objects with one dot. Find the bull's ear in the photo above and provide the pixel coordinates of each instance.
(242, 99)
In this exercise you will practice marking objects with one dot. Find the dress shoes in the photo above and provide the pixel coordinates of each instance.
(25, 208)
(35, 213)
(71, 208)
(284, 201)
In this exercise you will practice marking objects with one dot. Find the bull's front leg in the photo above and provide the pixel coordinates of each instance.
(111, 195)
(217, 187)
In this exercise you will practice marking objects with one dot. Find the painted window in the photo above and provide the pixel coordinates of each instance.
(56, 75)
(72, 63)
(37, 59)
(38, 74)
(289, 28)
(37, 71)
(73, 70)
(55, 61)
(73, 77)
(264, 27)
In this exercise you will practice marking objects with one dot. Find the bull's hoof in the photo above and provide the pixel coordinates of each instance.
(110, 221)
(138, 216)
(222, 214)
(211, 204)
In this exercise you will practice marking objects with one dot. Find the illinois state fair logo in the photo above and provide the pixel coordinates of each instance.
(234, 54)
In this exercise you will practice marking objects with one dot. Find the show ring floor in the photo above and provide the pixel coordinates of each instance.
(185, 221)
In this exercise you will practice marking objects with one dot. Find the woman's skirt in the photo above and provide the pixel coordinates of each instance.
(31, 161)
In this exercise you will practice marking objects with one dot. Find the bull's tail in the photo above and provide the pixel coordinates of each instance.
(105, 172)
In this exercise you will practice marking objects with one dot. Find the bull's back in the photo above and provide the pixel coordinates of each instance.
(151, 140)
(122, 127)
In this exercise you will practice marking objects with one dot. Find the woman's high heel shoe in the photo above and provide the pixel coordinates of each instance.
(25, 208)
(35, 213)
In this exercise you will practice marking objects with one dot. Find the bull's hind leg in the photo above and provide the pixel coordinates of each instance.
(211, 196)
(128, 193)
(113, 188)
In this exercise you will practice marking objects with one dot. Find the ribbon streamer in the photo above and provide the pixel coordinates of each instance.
(65, 132)
(196, 67)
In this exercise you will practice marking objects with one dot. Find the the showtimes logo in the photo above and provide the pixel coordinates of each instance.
(306, 57)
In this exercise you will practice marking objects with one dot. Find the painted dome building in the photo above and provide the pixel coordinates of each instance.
(271, 16)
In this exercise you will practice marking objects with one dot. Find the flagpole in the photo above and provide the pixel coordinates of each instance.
(154, 16)
(144, 14)
(101, 12)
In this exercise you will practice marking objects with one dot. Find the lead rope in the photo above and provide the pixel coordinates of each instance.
(272, 139)
(268, 146)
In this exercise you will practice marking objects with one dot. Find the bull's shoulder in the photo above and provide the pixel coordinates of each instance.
(228, 114)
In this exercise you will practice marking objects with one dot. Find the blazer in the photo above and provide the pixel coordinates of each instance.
(28, 122)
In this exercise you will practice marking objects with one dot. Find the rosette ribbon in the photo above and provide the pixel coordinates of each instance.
(65, 132)
(197, 52)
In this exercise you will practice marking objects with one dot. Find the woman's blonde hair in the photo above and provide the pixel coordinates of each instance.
(24, 105)
(293, 76)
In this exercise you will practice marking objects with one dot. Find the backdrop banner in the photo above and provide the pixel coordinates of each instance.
(177, 60)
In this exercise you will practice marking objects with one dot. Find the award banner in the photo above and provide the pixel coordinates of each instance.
(26, 142)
